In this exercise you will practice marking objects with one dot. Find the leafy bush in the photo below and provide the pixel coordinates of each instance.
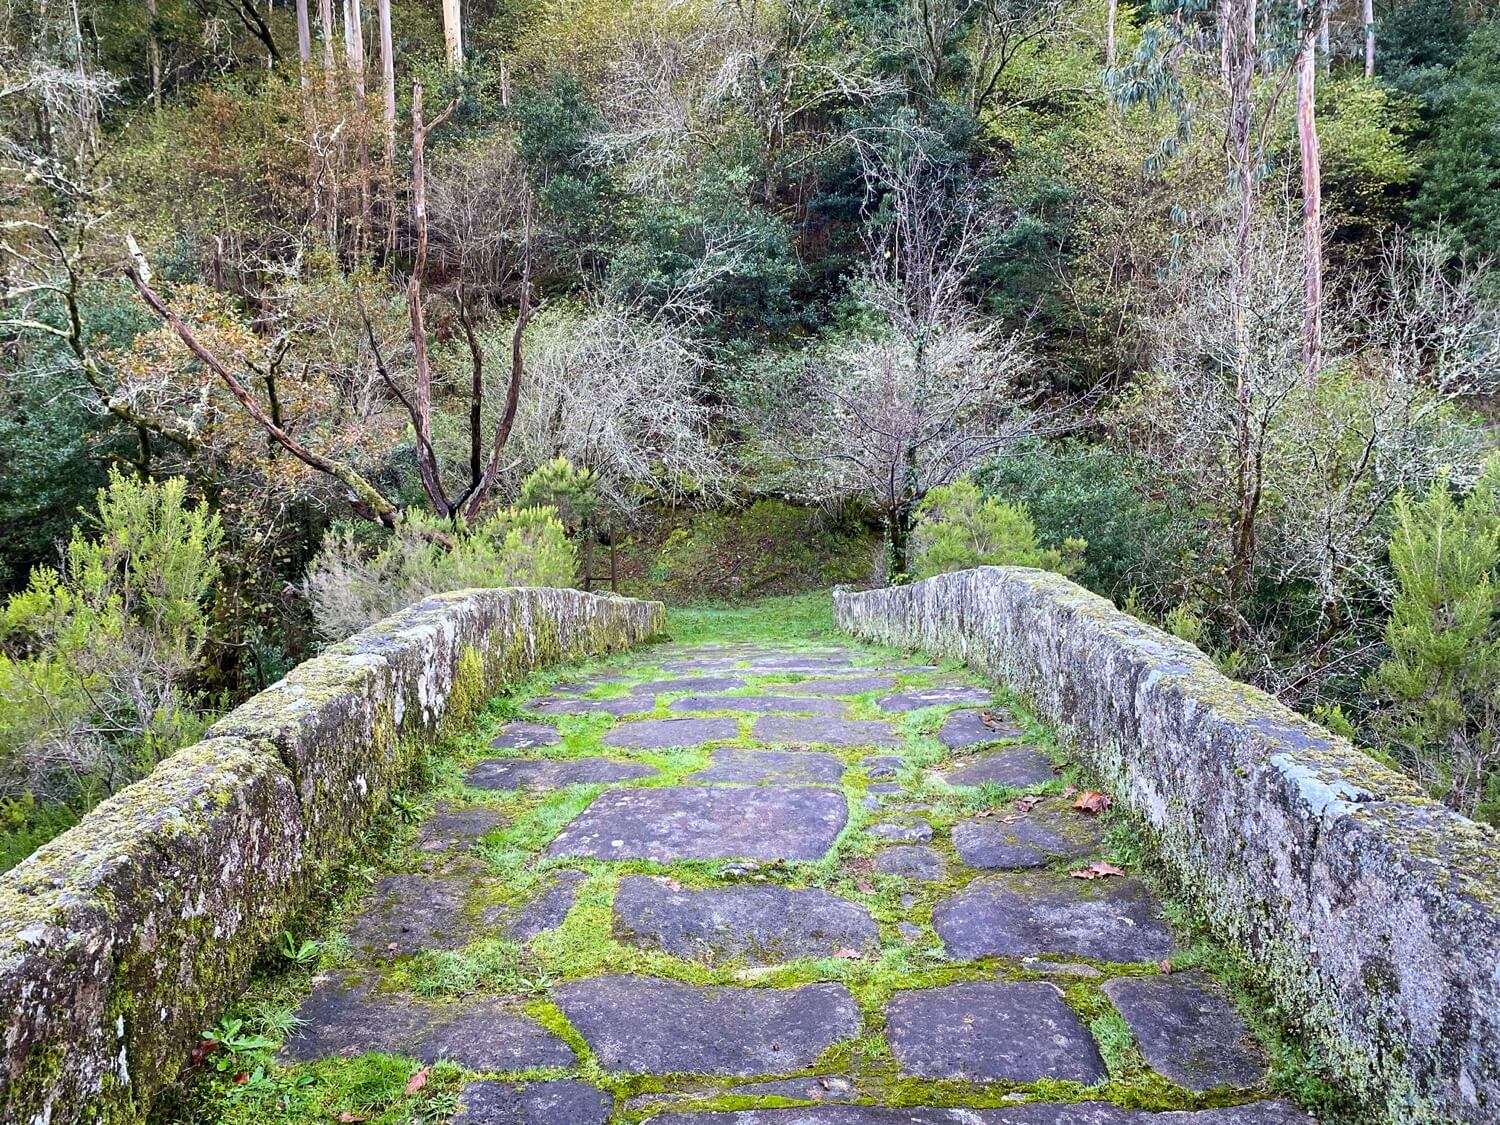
(95, 659)
(1441, 682)
(957, 527)
(1074, 490)
(351, 587)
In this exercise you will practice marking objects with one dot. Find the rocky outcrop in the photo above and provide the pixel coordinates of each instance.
(1372, 911)
(121, 939)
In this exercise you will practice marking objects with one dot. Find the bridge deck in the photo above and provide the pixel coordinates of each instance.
(772, 884)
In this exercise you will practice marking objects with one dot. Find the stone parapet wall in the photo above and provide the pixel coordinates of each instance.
(1371, 911)
(124, 937)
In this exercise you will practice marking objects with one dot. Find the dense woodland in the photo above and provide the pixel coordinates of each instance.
(313, 308)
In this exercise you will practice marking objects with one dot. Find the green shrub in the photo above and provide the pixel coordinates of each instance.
(957, 527)
(1440, 685)
(1137, 543)
(351, 587)
(95, 659)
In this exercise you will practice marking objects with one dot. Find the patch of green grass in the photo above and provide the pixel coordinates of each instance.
(797, 618)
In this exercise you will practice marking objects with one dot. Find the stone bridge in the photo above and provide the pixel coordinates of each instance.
(999, 855)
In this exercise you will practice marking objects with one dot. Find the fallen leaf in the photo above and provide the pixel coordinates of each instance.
(349, 1115)
(392, 947)
(865, 886)
(844, 953)
(1026, 804)
(242, 1077)
(201, 1051)
(986, 812)
(1097, 870)
(417, 1080)
(992, 720)
(1092, 801)
(1070, 790)
(1164, 966)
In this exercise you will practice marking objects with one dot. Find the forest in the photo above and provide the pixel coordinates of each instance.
(311, 309)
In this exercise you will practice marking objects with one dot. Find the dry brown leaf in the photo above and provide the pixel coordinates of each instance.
(350, 1115)
(1164, 966)
(1026, 804)
(417, 1080)
(1097, 870)
(1092, 801)
(1070, 790)
(844, 953)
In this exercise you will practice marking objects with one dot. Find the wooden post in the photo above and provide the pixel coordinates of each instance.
(614, 571)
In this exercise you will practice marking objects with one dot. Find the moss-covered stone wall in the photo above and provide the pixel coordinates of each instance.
(1373, 911)
(121, 939)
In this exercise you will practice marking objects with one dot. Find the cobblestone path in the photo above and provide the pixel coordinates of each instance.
(766, 885)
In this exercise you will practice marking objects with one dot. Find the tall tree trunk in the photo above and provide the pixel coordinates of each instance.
(153, 54)
(330, 32)
(304, 43)
(1369, 16)
(309, 112)
(1312, 206)
(1324, 10)
(388, 108)
(1239, 58)
(453, 34)
(354, 49)
(1109, 35)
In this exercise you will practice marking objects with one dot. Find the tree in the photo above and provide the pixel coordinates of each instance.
(1312, 198)
(957, 528)
(453, 34)
(1441, 682)
(95, 658)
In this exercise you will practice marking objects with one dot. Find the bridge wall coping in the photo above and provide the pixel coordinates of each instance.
(124, 937)
(1371, 911)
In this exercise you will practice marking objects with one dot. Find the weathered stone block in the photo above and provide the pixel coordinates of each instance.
(120, 939)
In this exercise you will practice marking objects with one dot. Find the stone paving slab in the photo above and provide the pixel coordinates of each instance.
(691, 683)
(547, 910)
(850, 685)
(917, 698)
(619, 706)
(762, 704)
(912, 861)
(1015, 915)
(916, 831)
(552, 773)
(1187, 1031)
(733, 765)
(763, 923)
(664, 734)
(991, 1031)
(706, 822)
(640, 1025)
(486, 1036)
(963, 729)
(456, 827)
(1019, 768)
(1051, 831)
(830, 732)
(526, 736)
(1037, 1113)
(406, 913)
(344, 1018)
(560, 1102)
(881, 767)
